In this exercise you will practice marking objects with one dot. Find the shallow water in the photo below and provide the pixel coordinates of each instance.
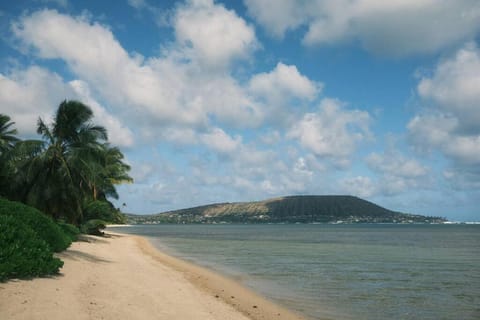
(341, 271)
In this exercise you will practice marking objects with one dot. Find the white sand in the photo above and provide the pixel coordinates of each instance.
(124, 277)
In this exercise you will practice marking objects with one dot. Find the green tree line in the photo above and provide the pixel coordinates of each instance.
(51, 187)
(69, 173)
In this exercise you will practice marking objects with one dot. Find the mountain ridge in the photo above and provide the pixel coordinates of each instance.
(288, 209)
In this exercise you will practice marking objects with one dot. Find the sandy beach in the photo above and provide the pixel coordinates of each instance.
(125, 277)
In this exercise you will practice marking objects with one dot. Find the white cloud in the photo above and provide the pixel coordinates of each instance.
(431, 131)
(221, 142)
(277, 16)
(175, 135)
(394, 28)
(451, 123)
(464, 178)
(101, 61)
(454, 88)
(394, 175)
(158, 91)
(360, 186)
(26, 95)
(217, 35)
(438, 132)
(284, 83)
(332, 132)
(284, 93)
(35, 92)
(118, 133)
(394, 164)
(397, 173)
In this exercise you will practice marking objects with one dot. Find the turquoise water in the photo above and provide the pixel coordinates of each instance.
(341, 271)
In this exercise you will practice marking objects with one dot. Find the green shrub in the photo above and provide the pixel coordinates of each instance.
(70, 230)
(22, 253)
(43, 225)
(94, 227)
(103, 210)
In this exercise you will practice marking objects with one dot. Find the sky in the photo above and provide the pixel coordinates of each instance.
(226, 101)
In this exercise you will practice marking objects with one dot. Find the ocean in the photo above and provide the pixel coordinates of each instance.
(340, 271)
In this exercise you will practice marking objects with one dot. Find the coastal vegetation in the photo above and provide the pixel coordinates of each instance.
(52, 188)
(292, 209)
(27, 242)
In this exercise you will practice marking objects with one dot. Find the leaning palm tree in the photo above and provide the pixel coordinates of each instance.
(103, 170)
(115, 170)
(54, 179)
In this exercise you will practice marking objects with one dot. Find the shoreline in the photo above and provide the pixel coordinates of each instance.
(126, 277)
(246, 301)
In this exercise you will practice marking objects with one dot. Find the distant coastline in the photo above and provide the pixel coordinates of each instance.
(336, 209)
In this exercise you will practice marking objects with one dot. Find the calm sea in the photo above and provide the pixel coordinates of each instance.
(341, 271)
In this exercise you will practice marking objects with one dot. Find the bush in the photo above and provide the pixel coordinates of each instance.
(103, 210)
(22, 253)
(43, 225)
(70, 230)
(94, 227)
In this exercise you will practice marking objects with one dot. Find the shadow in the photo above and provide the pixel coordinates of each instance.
(101, 239)
(91, 239)
(113, 235)
(78, 255)
(54, 276)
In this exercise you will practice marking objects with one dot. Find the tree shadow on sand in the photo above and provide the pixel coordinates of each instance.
(78, 255)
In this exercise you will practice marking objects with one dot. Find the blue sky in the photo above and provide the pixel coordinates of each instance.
(216, 101)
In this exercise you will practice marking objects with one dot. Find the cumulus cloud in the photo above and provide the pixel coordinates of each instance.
(26, 94)
(359, 186)
(394, 174)
(102, 61)
(221, 142)
(277, 16)
(188, 97)
(216, 35)
(453, 94)
(284, 91)
(454, 87)
(451, 121)
(394, 164)
(283, 83)
(395, 28)
(397, 173)
(333, 131)
(118, 133)
(166, 90)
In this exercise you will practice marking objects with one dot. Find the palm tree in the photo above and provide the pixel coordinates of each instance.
(104, 170)
(7, 134)
(75, 165)
(71, 166)
(7, 143)
(55, 180)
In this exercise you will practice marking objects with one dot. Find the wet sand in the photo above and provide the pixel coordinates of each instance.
(125, 277)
